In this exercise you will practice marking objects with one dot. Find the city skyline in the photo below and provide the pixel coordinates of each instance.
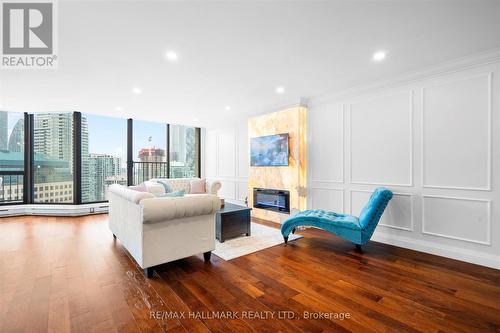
(103, 150)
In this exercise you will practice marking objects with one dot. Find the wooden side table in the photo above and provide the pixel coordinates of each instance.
(232, 221)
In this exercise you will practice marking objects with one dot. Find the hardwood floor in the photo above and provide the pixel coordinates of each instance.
(67, 274)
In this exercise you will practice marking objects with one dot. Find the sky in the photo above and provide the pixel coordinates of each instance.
(108, 135)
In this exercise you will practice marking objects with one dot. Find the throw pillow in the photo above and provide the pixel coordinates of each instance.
(197, 186)
(179, 193)
(166, 185)
(138, 188)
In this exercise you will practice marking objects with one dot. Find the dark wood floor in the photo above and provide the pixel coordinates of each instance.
(67, 274)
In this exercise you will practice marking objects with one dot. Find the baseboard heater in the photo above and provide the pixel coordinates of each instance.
(270, 199)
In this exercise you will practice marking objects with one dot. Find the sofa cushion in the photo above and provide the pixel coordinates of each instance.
(164, 209)
(197, 186)
(154, 187)
(173, 194)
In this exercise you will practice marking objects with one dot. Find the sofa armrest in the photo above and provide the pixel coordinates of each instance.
(164, 209)
(213, 186)
(128, 194)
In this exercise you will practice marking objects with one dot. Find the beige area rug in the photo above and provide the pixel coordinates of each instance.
(262, 237)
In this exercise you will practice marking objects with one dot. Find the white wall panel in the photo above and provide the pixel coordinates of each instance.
(456, 134)
(226, 153)
(327, 199)
(242, 191)
(228, 189)
(327, 144)
(458, 218)
(398, 214)
(211, 154)
(381, 140)
(243, 150)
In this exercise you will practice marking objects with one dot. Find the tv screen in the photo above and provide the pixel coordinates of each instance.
(270, 150)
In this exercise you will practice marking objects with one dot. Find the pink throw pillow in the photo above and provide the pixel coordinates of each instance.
(197, 186)
(138, 188)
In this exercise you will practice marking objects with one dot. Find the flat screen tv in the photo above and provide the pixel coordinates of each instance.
(269, 150)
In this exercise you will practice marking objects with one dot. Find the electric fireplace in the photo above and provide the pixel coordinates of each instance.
(276, 200)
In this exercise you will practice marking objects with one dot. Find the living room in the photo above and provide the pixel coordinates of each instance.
(256, 166)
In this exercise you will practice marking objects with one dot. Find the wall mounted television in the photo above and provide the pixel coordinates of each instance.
(269, 150)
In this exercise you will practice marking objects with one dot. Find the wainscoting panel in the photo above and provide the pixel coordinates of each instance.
(397, 215)
(226, 145)
(327, 130)
(211, 154)
(243, 150)
(456, 134)
(228, 189)
(327, 199)
(381, 140)
(457, 218)
(242, 191)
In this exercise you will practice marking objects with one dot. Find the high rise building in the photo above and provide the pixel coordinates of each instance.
(16, 139)
(86, 178)
(4, 123)
(102, 168)
(53, 136)
(152, 164)
(178, 143)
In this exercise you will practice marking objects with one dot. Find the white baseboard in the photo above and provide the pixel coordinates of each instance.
(54, 210)
(473, 257)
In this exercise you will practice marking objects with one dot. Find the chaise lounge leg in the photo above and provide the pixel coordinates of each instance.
(207, 256)
(293, 231)
(286, 239)
(148, 272)
(358, 247)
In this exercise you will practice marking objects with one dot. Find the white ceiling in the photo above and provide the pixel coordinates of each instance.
(236, 53)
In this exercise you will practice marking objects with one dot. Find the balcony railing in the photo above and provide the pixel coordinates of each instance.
(11, 187)
(143, 171)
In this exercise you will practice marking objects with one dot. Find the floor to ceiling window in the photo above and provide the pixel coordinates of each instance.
(11, 157)
(104, 155)
(149, 151)
(53, 158)
(73, 158)
(184, 151)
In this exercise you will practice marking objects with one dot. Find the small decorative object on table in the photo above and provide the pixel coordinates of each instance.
(222, 202)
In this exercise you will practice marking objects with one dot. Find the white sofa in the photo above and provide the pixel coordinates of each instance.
(157, 230)
(181, 184)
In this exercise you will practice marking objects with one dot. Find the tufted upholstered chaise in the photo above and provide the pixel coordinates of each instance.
(357, 230)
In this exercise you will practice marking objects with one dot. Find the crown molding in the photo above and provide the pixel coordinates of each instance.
(448, 67)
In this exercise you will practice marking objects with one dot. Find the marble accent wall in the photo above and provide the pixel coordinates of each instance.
(293, 177)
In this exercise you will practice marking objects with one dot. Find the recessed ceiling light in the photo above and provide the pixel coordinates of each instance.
(137, 90)
(171, 56)
(119, 108)
(379, 56)
(227, 108)
(280, 90)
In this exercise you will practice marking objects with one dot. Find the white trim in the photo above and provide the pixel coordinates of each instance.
(342, 177)
(475, 257)
(488, 230)
(445, 68)
(411, 111)
(411, 229)
(327, 189)
(488, 187)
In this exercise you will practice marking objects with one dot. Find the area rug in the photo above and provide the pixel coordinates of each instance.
(262, 237)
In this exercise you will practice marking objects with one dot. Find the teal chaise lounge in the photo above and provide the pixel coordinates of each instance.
(357, 230)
